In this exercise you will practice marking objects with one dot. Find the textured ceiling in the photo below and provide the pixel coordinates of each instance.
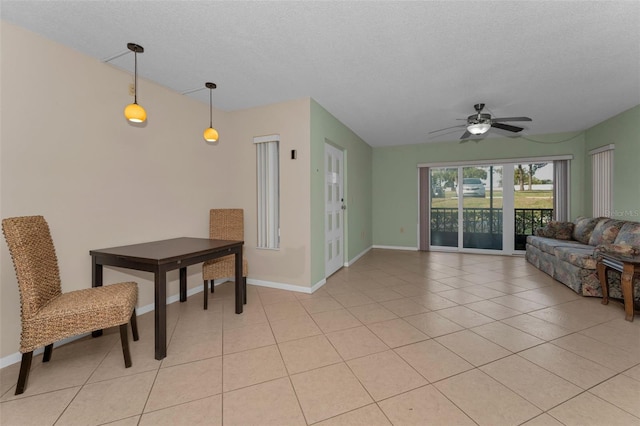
(390, 71)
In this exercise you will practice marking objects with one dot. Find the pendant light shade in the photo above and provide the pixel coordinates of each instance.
(210, 134)
(134, 112)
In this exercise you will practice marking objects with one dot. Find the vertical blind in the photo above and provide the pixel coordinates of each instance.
(561, 190)
(602, 180)
(268, 183)
(425, 207)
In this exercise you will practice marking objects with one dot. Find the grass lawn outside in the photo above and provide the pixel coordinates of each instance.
(535, 199)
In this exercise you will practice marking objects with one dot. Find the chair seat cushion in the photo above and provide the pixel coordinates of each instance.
(223, 267)
(78, 312)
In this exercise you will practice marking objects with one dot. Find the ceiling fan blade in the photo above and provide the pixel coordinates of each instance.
(511, 119)
(475, 138)
(465, 135)
(443, 134)
(447, 128)
(506, 127)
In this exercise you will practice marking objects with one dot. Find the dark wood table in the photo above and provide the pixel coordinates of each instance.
(162, 256)
(628, 266)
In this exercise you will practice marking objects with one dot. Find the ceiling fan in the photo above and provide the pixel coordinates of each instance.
(480, 123)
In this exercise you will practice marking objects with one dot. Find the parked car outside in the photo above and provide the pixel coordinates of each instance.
(437, 191)
(473, 187)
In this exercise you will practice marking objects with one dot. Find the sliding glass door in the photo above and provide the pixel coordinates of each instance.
(488, 207)
(444, 207)
(533, 199)
(482, 213)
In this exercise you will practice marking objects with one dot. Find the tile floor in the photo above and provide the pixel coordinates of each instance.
(400, 338)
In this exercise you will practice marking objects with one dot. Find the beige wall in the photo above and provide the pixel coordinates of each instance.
(290, 264)
(67, 153)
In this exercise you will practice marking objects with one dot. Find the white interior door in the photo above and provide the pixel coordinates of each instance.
(334, 209)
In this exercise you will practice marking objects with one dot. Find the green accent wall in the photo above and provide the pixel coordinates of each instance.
(622, 131)
(395, 176)
(357, 188)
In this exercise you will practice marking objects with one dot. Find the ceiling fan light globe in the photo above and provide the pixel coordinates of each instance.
(478, 128)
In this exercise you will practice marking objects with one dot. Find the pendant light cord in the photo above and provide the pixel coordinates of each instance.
(135, 78)
(210, 108)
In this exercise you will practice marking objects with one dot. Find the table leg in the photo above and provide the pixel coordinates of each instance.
(239, 282)
(627, 290)
(161, 313)
(183, 284)
(96, 281)
(604, 283)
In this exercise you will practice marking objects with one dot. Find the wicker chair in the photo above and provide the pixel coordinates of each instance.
(224, 224)
(47, 314)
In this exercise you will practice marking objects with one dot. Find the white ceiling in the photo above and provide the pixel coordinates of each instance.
(390, 71)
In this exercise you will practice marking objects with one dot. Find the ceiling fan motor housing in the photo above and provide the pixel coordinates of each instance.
(479, 118)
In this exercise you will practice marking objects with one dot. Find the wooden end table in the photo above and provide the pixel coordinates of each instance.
(628, 266)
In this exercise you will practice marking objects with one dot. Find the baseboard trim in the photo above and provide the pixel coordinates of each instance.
(319, 284)
(281, 286)
(396, 248)
(358, 256)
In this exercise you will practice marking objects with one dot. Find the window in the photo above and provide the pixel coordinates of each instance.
(471, 206)
(268, 182)
(602, 180)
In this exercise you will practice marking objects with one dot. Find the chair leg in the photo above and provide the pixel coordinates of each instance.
(124, 338)
(212, 286)
(206, 294)
(244, 289)
(47, 353)
(134, 326)
(25, 366)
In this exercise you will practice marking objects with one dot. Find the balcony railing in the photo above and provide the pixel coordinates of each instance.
(527, 221)
(483, 226)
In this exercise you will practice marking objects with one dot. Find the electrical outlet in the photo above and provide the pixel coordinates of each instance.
(132, 89)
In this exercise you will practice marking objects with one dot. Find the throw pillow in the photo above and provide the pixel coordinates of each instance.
(583, 227)
(557, 230)
(605, 232)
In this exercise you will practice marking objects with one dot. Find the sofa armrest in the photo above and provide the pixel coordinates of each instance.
(619, 249)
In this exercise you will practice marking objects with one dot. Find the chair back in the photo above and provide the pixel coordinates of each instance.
(35, 261)
(226, 224)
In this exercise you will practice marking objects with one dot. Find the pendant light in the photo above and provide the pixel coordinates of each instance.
(134, 112)
(210, 134)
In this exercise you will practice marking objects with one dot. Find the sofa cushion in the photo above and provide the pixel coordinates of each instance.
(548, 245)
(629, 234)
(581, 257)
(584, 227)
(605, 232)
(555, 229)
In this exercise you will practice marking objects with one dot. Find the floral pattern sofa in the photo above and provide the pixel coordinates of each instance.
(568, 252)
